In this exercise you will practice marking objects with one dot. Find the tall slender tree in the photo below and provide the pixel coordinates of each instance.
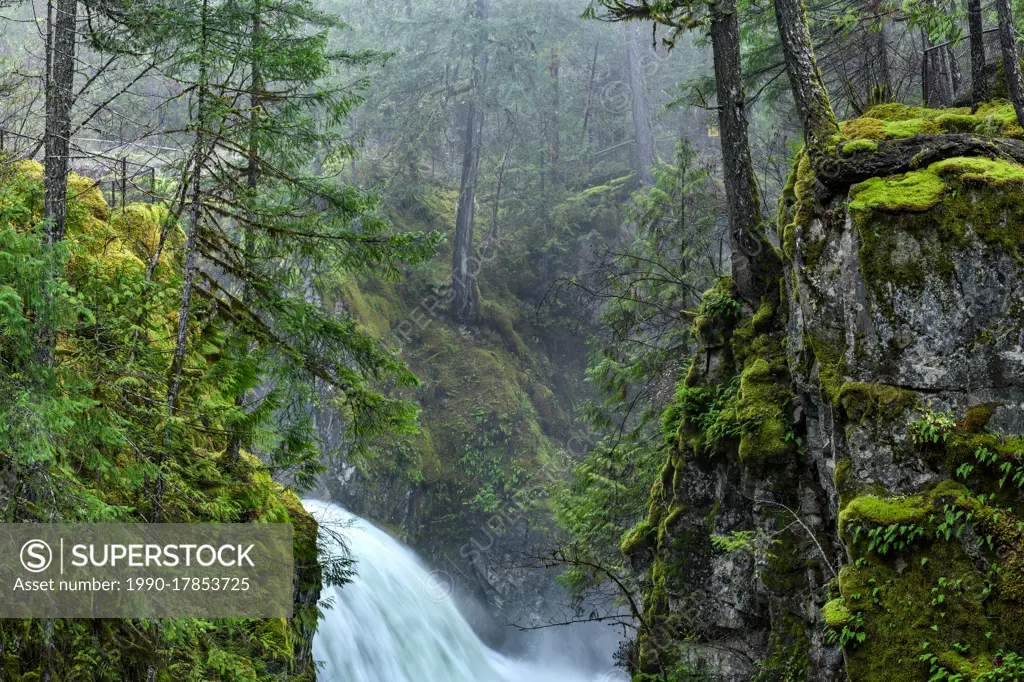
(62, 31)
(979, 78)
(809, 92)
(1011, 63)
(202, 122)
(464, 295)
(753, 258)
(643, 138)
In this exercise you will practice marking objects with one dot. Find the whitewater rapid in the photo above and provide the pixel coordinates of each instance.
(395, 622)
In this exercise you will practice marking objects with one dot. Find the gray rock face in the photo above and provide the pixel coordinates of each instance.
(957, 339)
(882, 318)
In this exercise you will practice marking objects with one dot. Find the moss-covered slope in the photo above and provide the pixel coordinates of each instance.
(82, 453)
(469, 490)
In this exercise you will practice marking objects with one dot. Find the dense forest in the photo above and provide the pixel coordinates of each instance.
(575, 341)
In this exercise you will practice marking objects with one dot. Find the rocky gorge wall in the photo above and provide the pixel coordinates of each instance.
(842, 499)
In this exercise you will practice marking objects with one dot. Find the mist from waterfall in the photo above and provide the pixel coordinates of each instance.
(395, 622)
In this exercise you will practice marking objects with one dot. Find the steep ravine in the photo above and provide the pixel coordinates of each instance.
(468, 492)
(843, 496)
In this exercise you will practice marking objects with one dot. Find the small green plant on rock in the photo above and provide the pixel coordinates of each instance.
(933, 427)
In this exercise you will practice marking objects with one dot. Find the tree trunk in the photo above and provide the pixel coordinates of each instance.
(60, 78)
(746, 229)
(464, 299)
(1011, 67)
(643, 156)
(58, 117)
(408, 9)
(252, 178)
(955, 74)
(556, 141)
(587, 108)
(884, 80)
(979, 79)
(195, 212)
(812, 103)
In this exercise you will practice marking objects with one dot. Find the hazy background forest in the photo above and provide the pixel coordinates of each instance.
(436, 261)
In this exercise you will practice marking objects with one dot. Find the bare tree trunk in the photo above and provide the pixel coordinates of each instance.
(556, 96)
(1011, 67)
(588, 107)
(955, 74)
(590, 95)
(58, 117)
(884, 80)
(643, 157)
(60, 78)
(195, 212)
(464, 298)
(812, 103)
(941, 89)
(494, 235)
(979, 79)
(746, 228)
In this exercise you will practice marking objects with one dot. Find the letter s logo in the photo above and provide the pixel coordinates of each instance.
(36, 556)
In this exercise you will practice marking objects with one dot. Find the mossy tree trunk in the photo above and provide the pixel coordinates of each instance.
(979, 81)
(1011, 67)
(812, 103)
(465, 307)
(750, 247)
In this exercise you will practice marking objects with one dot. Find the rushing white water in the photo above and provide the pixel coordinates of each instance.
(395, 621)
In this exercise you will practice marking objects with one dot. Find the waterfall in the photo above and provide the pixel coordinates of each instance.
(395, 621)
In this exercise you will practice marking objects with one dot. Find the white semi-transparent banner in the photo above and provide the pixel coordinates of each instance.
(146, 570)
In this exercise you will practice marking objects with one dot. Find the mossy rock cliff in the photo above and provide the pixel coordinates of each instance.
(844, 498)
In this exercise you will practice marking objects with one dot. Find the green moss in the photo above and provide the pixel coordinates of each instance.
(800, 206)
(764, 317)
(886, 511)
(911, 227)
(861, 400)
(720, 302)
(864, 128)
(936, 590)
(979, 169)
(896, 121)
(842, 478)
(894, 111)
(914, 192)
(638, 538)
(371, 311)
(895, 130)
(492, 314)
(977, 418)
(953, 122)
(835, 614)
(855, 146)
